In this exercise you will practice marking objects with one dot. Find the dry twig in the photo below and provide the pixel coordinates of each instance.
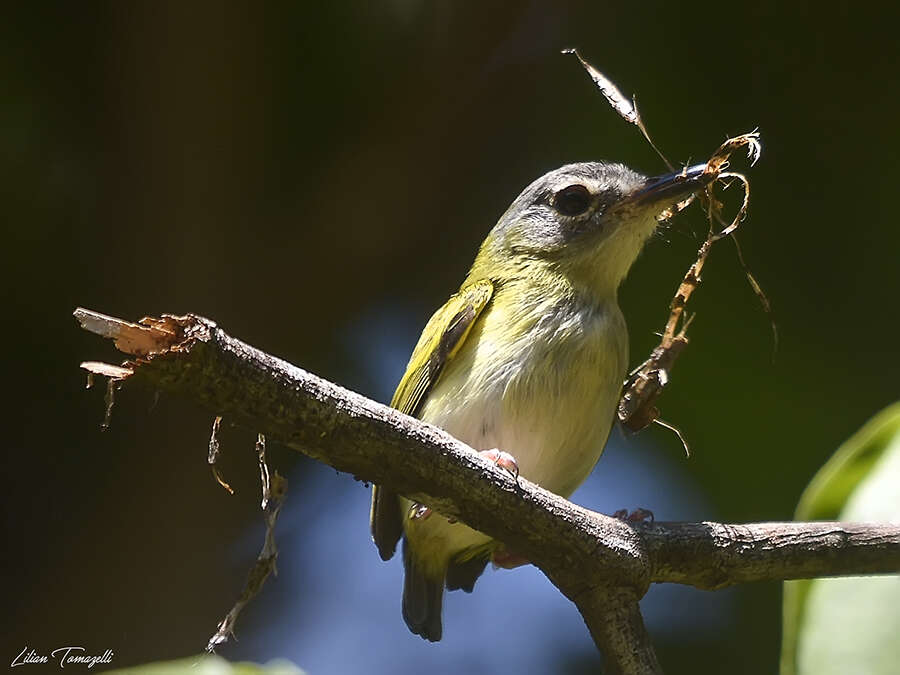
(273, 499)
(213, 456)
(637, 406)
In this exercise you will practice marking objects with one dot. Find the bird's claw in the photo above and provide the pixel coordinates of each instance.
(504, 460)
(636, 516)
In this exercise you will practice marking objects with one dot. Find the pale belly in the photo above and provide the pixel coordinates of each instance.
(547, 398)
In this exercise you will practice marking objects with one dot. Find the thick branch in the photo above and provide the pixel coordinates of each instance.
(193, 357)
(713, 555)
(614, 619)
(602, 564)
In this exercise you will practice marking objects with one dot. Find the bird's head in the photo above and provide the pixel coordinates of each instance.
(587, 221)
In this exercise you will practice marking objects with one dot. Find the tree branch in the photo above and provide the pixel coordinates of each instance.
(614, 620)
(604, 565)
(714, 555)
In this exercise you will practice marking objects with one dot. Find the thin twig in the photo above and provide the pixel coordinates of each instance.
(213, 456)
(273, 499)
(264, 480)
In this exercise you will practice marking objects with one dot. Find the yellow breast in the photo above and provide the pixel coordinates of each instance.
(539, 379)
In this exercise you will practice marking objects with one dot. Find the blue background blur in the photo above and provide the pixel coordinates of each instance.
(316, 177)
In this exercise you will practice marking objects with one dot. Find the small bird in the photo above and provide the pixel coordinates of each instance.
(525, 363)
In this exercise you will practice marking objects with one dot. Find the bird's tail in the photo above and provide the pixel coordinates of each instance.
(423, 594)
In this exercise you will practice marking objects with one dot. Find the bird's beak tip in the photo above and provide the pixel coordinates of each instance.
(671, 188)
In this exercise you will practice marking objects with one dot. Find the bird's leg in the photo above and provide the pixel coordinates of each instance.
(636, 516)
(503, 557)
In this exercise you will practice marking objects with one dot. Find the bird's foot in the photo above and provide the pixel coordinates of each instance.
(636, 516)
(507, 559)
(504, 460)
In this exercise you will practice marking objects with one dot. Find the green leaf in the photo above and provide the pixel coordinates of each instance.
(849, 625)
(206, 664)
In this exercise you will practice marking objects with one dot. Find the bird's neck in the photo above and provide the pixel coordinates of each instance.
(544, 283)
(585, 279)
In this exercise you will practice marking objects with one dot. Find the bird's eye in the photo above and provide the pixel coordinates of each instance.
(572, 200)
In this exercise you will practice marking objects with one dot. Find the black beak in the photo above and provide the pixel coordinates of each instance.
(672, 188)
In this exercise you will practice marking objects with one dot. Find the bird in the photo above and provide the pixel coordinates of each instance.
(525, 363)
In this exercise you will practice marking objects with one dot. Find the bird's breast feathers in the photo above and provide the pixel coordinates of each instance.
(537, 379)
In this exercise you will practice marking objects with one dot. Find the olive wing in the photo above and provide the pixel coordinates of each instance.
(442, 338)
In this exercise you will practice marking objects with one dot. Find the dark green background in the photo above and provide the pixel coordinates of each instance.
(301, 172)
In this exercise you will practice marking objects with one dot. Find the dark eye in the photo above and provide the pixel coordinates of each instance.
(572, 200)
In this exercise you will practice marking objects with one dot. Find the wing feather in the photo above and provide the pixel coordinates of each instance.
(442, 338)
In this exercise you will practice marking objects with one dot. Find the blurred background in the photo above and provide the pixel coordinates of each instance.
(316, 177)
